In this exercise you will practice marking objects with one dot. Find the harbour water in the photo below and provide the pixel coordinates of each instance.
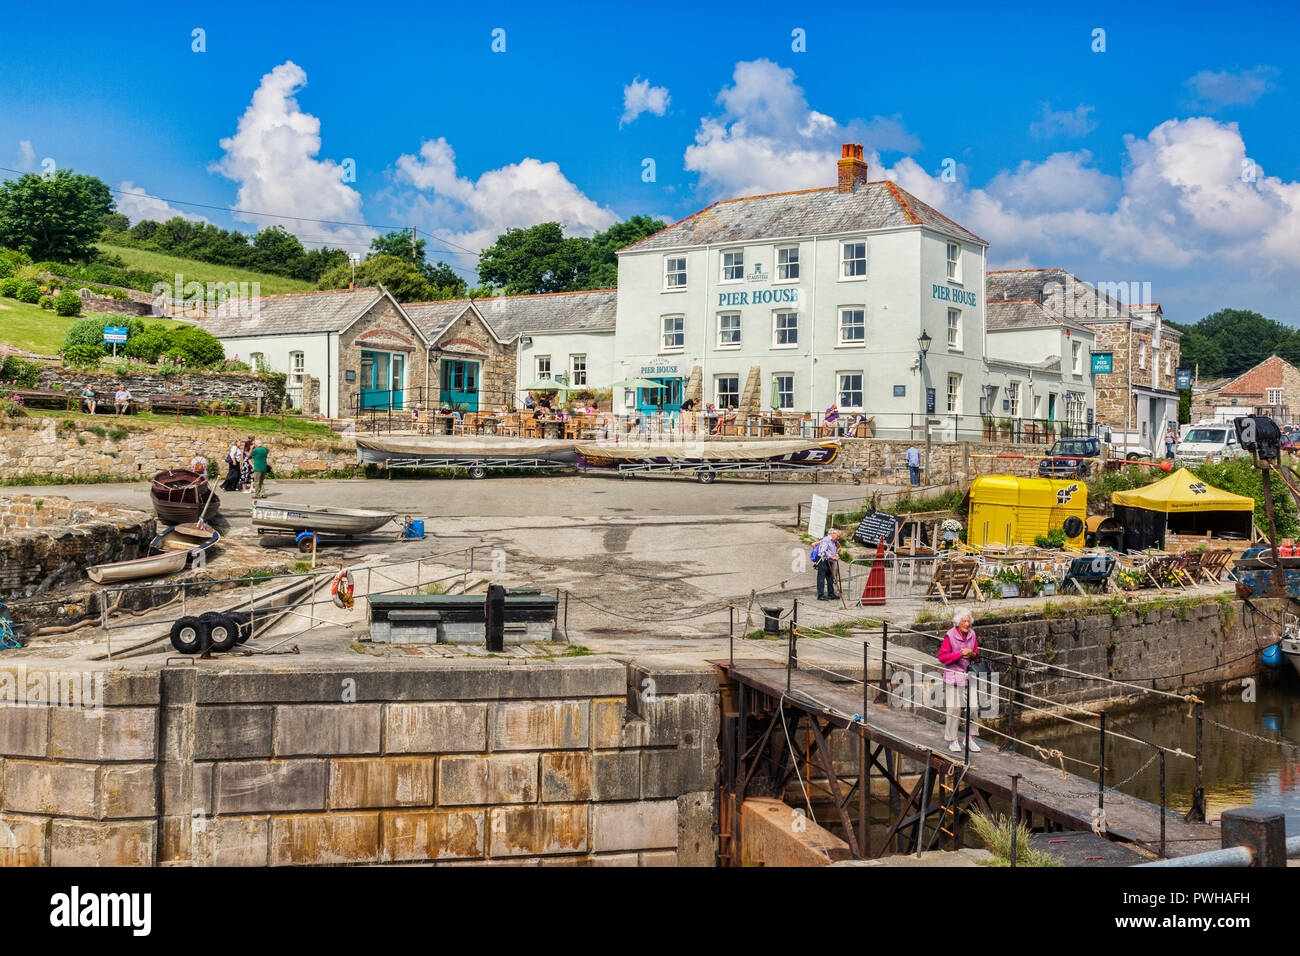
(1255, 763)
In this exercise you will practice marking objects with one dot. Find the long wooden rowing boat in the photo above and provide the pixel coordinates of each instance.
(169, 562)
(180, 495)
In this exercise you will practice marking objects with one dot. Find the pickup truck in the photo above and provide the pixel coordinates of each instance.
(1070, 458)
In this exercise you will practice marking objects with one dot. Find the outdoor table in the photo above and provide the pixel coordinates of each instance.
(443, 423)
(486, 424)
(552, 428)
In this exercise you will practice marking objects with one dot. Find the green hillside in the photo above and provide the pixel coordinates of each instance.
(36, 330)
(204, 271)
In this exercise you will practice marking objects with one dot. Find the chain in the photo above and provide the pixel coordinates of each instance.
(1245, 733)
(1113, 788)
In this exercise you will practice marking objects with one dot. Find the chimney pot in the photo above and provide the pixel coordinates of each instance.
(852, 168)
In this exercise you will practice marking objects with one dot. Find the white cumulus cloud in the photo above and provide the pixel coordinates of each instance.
(1218, 88)
(136, 204)
(640, 97)
(273, 155)
(476, 211)
(768, 139)
(26, 156)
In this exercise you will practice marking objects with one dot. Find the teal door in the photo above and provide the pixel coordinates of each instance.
(460, 384)
(668, 394)
(374, 380)
(397, 381)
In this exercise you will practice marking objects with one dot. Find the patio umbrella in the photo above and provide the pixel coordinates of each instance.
(548, 385)
(637, 383)
(776, 396)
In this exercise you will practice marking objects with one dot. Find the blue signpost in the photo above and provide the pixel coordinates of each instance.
(115, 335)
(1101, 362)
(1184, 378)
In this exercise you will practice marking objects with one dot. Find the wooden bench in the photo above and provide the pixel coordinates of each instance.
(46, 398)
(170, 403)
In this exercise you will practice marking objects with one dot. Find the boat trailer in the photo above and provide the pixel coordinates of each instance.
(477, 466)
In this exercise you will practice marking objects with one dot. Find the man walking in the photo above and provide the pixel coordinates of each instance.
(260, 454)
(826, 554)
(914, 466)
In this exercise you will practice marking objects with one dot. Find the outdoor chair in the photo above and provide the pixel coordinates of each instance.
(1192, 564)
(1091, 570)
(1162, 571)
(954, 579)
(1215, 564)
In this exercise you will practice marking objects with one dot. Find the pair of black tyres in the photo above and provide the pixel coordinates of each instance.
(224, 630)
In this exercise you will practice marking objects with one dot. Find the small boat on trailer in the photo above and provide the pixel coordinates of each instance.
(306, 521)
(168, 562)
(180, 496)
(474, 454)
(708, 459)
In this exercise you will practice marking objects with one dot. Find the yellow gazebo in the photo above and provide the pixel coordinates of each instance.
(1181, 503)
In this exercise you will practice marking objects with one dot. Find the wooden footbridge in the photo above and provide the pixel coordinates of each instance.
(765, 701)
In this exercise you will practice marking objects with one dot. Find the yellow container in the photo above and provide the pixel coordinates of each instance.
(1005, 510)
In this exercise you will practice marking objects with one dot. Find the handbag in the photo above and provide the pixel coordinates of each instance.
(979, 674)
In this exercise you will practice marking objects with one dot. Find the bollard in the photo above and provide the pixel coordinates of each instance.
(1261, 830)
(495, 616)
(1197, 813)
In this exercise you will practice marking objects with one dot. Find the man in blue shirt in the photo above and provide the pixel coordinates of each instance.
(914, 465)
(828, 552)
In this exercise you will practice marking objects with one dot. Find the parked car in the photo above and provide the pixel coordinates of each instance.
(1215, 439)
(1070, 458)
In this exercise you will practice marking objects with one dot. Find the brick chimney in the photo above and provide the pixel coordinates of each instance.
(852, 167)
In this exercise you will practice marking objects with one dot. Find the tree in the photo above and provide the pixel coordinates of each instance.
(55, 218)
(280, 245)
(399, 245)
(144, 230)
(537, 259)
(602, 265)
(444, 281)
(175, 232)
(114, 222)
(402, 278)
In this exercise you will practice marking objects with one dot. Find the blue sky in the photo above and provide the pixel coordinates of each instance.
(1169, 158)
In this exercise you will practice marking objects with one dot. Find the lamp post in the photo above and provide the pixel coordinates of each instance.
(923, 346)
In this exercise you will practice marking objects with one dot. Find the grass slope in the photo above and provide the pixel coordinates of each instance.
(36, 330)
(205, 271)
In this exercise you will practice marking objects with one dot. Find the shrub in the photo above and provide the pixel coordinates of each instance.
(198, 346)
(10, 408)
(22, 373)
(1054, 539)
(149, 344)
(6, 268)
(28, 292)
(9, 287)
(83, 355)
(117, 434)
(90, 330)
(46, 302)
(15, 257)
(68, 303)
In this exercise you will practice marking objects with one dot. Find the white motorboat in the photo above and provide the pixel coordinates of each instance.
(332, 521)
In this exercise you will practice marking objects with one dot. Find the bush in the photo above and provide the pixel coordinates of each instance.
(6, 268)
(68, 303)
(1053, 540)
(90, 330)
(149, 344)
(9, 287)
(197, 346)
(28, 292)
(46, 302)
(11, 408)
(15, 258)
(83, 355)
(22, 373)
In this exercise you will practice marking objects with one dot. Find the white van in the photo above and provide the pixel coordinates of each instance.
(1216, 439)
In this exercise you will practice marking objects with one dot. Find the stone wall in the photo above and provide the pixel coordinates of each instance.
(469, 339)
(456, 762)
(48, 542)
(36, 446)
(1114, 397)
(241, 387)
(1205, 640)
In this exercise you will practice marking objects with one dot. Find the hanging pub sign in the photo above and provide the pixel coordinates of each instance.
(1184, 378)
(1102, 362)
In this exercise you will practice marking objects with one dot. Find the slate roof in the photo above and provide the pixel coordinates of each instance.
(295, 313)
(808, 212)
(1067, 295)
(512, 315)
(1018, 314)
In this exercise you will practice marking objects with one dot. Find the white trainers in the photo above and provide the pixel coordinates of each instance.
(954, 746)
(974, 747)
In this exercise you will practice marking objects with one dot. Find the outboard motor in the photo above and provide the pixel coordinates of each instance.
(1259, 435)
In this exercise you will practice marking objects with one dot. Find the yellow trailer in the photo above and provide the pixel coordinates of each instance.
(1005, 510)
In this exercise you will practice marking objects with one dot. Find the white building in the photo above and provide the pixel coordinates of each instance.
(563, 335)
(817, 297)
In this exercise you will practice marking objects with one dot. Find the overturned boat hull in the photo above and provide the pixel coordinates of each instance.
(337, 521)
(168, 562)
(382, 451)
(718, 455)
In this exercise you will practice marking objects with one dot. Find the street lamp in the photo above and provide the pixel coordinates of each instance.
(923, 343)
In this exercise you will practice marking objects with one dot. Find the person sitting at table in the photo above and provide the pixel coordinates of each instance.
(529, 402)
(562, 415)
(831, 417)
(122, 401)
(89, 399)
(688, 405)
(539, 413)
(416, 412)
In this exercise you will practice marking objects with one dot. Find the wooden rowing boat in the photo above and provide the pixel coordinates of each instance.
(187, 539)
(180, 495)
(169, 562)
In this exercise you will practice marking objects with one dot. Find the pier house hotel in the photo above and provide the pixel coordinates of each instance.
(858, 294)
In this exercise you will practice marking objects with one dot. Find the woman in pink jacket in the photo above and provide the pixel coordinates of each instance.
(959, 648)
